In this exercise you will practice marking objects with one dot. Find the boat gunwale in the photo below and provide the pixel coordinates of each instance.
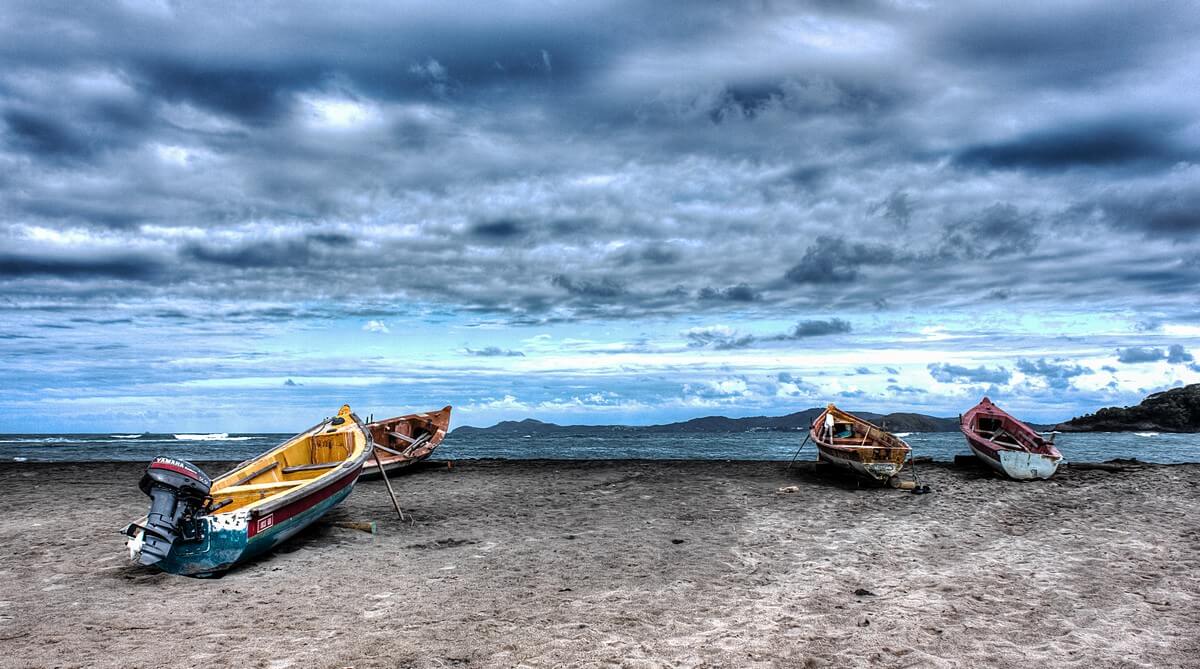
(274, 502)
(814, 433)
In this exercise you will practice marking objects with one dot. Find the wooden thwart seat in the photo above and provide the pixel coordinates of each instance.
(412, 444)
(258, 472)
(258, 487)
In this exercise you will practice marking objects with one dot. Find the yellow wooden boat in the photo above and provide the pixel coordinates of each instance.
(200, 527)
(862, 447)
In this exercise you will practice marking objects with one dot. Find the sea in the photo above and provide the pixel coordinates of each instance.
(1081, 447)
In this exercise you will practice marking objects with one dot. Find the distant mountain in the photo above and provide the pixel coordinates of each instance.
(895, 422)
(1174, 410)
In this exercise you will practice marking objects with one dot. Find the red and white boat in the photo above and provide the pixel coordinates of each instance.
(1008, 445)
(403, 441)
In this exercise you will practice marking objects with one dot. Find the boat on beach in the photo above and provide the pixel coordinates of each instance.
(848, 441)
(201, 527)
(1007, 445)
(406, 440)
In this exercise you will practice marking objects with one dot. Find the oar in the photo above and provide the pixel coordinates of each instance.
(387, 483)
(789, 467)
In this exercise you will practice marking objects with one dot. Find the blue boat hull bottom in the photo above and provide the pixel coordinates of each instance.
(227, 542)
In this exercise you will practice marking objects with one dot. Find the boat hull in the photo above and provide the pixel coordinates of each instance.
(880, 464)
(847, 441)
(371, 472)
(1018, 465)
(231, 538)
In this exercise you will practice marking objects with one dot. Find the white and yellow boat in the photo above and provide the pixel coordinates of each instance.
(200, 527)
(848, 441)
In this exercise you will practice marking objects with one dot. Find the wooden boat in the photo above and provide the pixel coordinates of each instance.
(1008, 445)
(848, 441)
(199, 527)
(406, 440)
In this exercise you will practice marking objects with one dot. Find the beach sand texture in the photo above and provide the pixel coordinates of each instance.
(628, 563)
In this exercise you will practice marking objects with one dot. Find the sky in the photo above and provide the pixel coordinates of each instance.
(236, 217)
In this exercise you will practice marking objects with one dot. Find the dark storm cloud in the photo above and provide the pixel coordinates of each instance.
(270, 253)
(1177, 354)
(603, 288)
(257, 95)
(498, 230)
(833, 260)
(494, 352)
(818, 328)
(654, 255)
(1118, 142)
(738, 293)
(1066, 44)
(1140, 354)
(722, 338)
(545, 164)
(35, 133)
(947, 373)
(126, 267)
(897, 208)
(997, 231)
(1170, 211)
(1056, 374)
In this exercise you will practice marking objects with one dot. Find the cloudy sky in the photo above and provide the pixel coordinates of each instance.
(236, 217)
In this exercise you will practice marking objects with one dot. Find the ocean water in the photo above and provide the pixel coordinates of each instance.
(1093, 447)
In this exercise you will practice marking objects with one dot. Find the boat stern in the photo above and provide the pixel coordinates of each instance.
(881, 471)
(178, 491)
(1025, 466)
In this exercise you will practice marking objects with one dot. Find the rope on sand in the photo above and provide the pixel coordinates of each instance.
(920, 489)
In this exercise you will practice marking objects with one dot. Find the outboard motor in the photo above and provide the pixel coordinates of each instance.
(178, 493)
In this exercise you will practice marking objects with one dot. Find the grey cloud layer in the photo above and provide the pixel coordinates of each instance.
(598, 161)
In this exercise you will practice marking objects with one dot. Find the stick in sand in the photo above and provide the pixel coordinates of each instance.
(789, 467)
(388, 483)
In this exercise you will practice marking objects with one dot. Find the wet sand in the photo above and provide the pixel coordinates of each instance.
(630, 563)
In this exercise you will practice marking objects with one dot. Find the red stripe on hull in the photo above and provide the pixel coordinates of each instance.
(303, 504)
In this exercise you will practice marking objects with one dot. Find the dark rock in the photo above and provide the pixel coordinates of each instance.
(863, 592)
(1175, 410)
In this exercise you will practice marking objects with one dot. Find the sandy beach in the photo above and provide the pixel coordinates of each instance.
(628, 563)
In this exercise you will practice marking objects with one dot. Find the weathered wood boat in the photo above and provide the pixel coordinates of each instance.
(199, 527)
(406, 440)
(848, 441)
(1007, 445)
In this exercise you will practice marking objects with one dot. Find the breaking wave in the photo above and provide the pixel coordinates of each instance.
(125, 436)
